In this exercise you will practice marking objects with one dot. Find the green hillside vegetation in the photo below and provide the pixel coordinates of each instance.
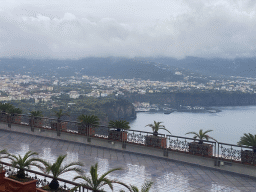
(105, 108)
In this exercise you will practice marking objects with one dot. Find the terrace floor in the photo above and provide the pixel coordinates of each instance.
(167, 175)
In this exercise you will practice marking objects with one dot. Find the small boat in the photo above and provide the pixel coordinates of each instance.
(167, 112)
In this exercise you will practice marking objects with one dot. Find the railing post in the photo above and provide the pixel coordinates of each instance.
(32, 123)
(9, 120)
(165, 149)
(231, 153)
(88, 132)
(58, 127)
(123, 139)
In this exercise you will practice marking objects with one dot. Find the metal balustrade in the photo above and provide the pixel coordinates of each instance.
(44, 179)
(191, 145)
(218, 150)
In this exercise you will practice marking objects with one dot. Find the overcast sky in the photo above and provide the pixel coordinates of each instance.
(128, 28)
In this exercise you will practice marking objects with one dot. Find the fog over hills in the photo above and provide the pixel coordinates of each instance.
(162, 69)
(245, 67)
(119, 68)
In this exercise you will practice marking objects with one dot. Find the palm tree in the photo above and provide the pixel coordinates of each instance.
(15, 111)
(58, 169)
(145, 187)
(60, 114)
(119, 124)
(156, 126)
(248, 140)
(202, 135)
(36, 113)
(89, 121)
(25, 162)
(96, 182)
(6, 107)
(3, 152)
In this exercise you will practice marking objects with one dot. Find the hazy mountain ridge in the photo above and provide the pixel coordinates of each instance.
(119, 68)
(124, 68)
(245, 67)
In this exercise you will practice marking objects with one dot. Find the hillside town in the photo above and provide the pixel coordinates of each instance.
(25, 87)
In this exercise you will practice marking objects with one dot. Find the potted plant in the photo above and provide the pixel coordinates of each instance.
(248, 156)
(154, 140)
(117, 134)
(96, 182)
(20, 181)
(36, 120)
(201, 148)
(4, 107)
(57, 168)
(59, 125)
(15, 115)
(88, 122)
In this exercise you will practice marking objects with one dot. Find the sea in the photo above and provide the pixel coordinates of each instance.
(228, 125)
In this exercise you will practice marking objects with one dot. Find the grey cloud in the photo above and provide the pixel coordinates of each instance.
(128, 28)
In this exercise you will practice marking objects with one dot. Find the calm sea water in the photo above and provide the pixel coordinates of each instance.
(228, 125)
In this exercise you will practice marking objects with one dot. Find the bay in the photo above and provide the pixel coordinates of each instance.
(228, 125)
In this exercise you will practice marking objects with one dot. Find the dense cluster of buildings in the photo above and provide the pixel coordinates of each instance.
(19, 87)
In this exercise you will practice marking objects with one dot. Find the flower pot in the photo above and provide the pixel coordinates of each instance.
(36, 122)
(84, 131)
(15, 119)
(155, 141)
(117, 135)
(63, 126)
(12, 185)
(4, 117)
(248, 157)
(2, 176)
(200, 149)
(54, 125)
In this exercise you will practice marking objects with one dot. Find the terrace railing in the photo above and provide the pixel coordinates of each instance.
(191, 146)
(44, 179)
(146, 138)
(220, 151)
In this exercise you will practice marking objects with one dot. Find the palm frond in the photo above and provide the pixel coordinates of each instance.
(248, 140)
(146, 186)
(110, 171)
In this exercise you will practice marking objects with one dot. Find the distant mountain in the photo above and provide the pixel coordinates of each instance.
(162, 69)
(245, 67)
(115, 67)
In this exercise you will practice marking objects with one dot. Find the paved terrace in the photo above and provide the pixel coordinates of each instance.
(167, 175)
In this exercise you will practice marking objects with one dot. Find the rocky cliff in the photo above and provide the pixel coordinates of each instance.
(119, 109)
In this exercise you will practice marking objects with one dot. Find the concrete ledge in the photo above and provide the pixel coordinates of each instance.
(242, 169)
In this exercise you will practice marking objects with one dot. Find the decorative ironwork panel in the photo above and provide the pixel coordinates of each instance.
(46, 123)
(101, 131)
(71, 126)
(25, 119)
(179, 145)
(230, 153)
(136, 138)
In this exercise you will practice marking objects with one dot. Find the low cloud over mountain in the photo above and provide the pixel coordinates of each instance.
(127, 28)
